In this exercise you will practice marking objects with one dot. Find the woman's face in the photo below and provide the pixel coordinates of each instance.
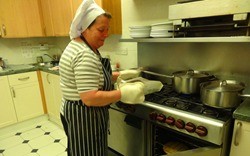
(98, 32)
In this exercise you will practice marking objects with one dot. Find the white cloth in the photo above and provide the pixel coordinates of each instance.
(132, 93)
(85, 15)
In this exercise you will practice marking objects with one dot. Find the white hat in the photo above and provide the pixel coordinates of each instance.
(85, 15)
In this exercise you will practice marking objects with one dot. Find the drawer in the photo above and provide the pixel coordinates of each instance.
(22, 78)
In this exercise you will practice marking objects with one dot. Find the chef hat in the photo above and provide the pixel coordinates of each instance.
(85, 15)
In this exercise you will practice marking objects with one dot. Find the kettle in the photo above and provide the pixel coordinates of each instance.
(2, 64)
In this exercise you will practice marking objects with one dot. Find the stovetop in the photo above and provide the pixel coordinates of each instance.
(167, 97)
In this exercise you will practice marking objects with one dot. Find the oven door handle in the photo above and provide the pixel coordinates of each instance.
(133, 121)
(204, 151)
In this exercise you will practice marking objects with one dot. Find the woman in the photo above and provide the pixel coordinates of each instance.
(85, 79)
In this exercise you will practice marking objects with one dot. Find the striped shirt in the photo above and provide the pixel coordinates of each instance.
(80, 71)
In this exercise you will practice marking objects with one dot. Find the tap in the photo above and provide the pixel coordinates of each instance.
(50, 57)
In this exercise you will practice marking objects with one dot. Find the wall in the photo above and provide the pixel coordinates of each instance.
(25, 50)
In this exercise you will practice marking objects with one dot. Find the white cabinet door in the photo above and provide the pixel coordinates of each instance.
(27, 100)
(241, 139)
(26, 95)
(53, 95)
(7, 110)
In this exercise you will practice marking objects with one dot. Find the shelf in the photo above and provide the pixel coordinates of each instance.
(190, 39)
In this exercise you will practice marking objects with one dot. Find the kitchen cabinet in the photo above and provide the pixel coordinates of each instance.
(241, 139)
(26, 95)
(20, 18)
(111, 6)
(7, 109)
(53, 95)
(57, 16)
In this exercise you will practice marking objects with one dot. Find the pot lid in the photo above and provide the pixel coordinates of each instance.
(225, 85)
(191, 74)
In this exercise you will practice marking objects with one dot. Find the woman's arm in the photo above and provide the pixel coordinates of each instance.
(100, 98)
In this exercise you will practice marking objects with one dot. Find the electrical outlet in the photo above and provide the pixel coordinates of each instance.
(122, 51)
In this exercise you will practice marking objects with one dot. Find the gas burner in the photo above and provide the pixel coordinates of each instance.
(182, 105)
(210, 112)
(170, 102)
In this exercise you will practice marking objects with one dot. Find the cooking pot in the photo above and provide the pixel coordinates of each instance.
(222, 93)
(186, 82)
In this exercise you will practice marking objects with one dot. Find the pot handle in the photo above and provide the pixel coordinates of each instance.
(245, 95)
(157, 74)
(223, 83)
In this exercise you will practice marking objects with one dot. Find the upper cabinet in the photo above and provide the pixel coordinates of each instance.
(114, 7)
(40, 18)
(20, 18)
(57, 16)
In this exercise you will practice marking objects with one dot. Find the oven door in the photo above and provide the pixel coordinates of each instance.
(127, 134)
(168, 142)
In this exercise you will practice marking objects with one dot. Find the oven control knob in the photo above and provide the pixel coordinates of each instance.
(170, 120)
(180, 124)
(190, 127)
(153, 115)
(201, 131)
(161, 118)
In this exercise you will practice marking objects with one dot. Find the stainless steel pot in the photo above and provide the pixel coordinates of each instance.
(186, 82)
(222, 93)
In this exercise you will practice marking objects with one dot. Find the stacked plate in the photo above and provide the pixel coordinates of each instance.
(140, 31)
(162, 29)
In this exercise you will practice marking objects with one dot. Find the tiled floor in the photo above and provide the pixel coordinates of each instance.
(33, 138)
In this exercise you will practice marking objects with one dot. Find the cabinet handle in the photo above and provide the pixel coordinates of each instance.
(23, 79)
(4, 30)
(13, 92)
(237, 132)
(47, 77)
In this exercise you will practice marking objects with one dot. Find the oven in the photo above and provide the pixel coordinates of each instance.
(179, 124)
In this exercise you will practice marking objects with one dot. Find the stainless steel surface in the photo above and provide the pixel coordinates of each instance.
(215, 127)
(222, 94)
(124, 136)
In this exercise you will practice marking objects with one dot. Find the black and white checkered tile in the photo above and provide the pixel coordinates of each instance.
(42, 140)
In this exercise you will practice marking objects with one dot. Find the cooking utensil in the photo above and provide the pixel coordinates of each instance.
(186, 82)
(222, 93)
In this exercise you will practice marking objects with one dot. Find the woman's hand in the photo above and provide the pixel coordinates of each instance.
(132, 93)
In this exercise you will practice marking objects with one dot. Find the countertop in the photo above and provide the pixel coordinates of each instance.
(243, 111)
(12, 70)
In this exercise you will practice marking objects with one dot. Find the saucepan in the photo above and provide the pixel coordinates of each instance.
(222, 93)
(186, 82)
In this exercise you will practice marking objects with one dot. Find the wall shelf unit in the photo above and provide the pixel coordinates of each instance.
(191, 39)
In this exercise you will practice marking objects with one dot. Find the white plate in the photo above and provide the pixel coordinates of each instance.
(140, 27)
(163, 23)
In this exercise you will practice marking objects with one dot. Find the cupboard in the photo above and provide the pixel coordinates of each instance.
(53, 95)
(57, 16)
(7, 109)
(40, 18)
(240, 142)
(26, 95)
(20, 18)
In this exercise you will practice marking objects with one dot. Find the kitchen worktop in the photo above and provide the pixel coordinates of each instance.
(243, 111)
(16, 70)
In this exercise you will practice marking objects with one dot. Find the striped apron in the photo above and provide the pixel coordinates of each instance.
(87, 127)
